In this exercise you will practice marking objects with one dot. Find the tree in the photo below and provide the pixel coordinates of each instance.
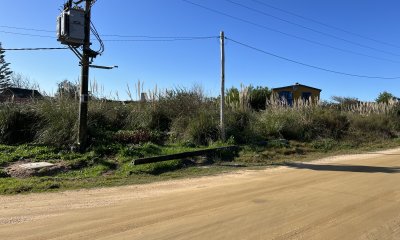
(232, 96)
(258, 97)
(385, 97)
(5, 72)
(346, 101)
(20, 81)
(67, 89)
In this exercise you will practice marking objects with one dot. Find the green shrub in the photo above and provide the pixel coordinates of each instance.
(325, 144)
(329, 124)
(139, 136)
(182, 102)
(239, 126)
(59, 122)
(106, 116)
(18, 124)
(147, 149)
(203, 129)
(295, 125)
(373, 126)
(284, 123)
(258, 97)
(270, 124)
(132, 137)
(160, 120)
(138, 117)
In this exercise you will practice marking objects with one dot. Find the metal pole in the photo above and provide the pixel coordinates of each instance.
(222, 105)
(84, 92)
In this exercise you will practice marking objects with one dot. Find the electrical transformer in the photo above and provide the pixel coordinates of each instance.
(71, 27)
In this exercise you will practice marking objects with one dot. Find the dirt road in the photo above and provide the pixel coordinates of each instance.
(348, 197)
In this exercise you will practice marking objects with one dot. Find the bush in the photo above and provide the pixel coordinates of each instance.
(160, 120)
(189, 116)
(296, 125)
(17, 124)
(329, 124)
(239, 126)
(138, 117)
(373, 126)
(139, 136)
(258, 97)
(106, 116)
(203, 129)
(182, 102)
(132, 136)
(284, 123)
(325, 144)
(59, 122)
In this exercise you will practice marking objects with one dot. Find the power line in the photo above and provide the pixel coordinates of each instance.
(284, 33)
(27, 29)
(326, 25)
(160, 39)
(27, 34)
(101, 35)
(146, 37)
(308, 65)
(155, 37)
(96, 34)
(31, 49)
(186, 38)
(305, 27)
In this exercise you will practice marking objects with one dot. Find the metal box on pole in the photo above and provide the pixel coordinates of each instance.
(71, 27)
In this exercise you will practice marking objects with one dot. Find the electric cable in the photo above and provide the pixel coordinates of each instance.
(146, 37)
(306, 64)
(180, 38)
(151, 37)
(160, 39)
(305, 27)
(31, 49)
(102, 35)
(27, 29)
(325, 24)
(281, 32)
(27, 34)
(96, 34)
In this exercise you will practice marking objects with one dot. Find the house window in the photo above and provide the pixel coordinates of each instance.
(286, 96)
(305, 96)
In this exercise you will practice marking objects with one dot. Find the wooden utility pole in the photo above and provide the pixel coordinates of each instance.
(222, 105)
(84, 90)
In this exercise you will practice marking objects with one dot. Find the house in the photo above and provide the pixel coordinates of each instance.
(12, 94)
(297, 92)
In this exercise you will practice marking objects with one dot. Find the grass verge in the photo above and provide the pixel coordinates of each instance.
(111, 166)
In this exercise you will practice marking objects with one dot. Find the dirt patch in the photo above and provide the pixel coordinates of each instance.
(15, 170)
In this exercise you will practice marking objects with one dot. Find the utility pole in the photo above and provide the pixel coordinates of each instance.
(222, 104)
(84, 92)
(73, 29)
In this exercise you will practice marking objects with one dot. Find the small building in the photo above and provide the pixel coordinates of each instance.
(297, 92)
(12, 94)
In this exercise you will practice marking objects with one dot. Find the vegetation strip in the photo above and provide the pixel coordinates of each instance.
(182, 155)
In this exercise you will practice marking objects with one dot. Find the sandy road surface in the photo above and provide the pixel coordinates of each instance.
(349, 197)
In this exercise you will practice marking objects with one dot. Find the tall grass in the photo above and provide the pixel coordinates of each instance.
(187, 115)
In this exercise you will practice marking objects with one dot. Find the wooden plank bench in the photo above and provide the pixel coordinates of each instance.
(182, 155)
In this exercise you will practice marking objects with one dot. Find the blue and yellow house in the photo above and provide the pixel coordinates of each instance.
(297, 92)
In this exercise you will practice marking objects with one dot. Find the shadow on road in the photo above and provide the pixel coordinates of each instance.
(345, 168)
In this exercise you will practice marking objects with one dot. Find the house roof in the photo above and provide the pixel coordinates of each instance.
(296, 85)
(21, 92)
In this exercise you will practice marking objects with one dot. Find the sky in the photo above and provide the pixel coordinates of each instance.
(270, 43)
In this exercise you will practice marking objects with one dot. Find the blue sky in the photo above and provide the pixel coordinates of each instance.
(187, 63)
